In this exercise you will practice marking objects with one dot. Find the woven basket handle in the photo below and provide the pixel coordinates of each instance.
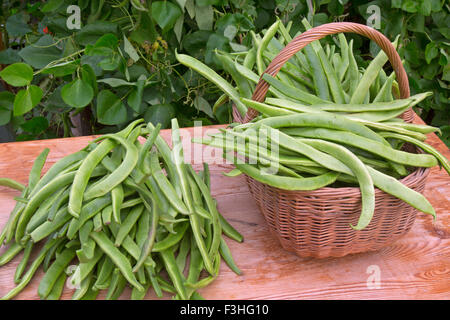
(320, 32)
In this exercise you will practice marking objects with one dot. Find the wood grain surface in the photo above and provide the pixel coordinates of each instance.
(415, 267)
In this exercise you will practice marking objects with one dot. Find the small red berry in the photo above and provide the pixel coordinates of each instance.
(45, 30)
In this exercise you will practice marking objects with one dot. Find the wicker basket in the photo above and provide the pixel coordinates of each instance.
(317, 223)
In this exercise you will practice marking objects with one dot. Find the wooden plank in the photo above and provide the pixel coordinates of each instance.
(415, 267)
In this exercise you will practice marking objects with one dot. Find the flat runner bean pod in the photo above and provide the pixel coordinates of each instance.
(214, 77)
(165, 186)
(117, 257)
(23, 263)
(83, 175)
(360, 172)
(58, 167)
(330, 121)
(118, 175)
(425, 147)
(55, 270)
(10, 183)
(35, 173)
(348, 138)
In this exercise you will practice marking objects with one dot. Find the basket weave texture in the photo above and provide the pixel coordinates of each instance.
(317, 223)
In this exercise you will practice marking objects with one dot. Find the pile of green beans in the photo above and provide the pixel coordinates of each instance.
(325, 121)
(118, 213)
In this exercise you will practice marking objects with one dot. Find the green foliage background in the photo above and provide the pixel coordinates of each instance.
(120, 65)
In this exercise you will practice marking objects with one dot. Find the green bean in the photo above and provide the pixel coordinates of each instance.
(288, 183)
(392, 128)
(344, 56)
(253, 77)
(136, 295)
(215, 78)
(10, 227)
(244, 88)
(117, 201)
(292, 105)
(49, 227)
(171, 239)
(219, 102)
(370, 75)
(58, 203)
(143, 228)
(229, 230)
(58, 287)
(376, 106)
(318, 74)
(104, 271)
(23, 263)
(250, 59)
(91, 294)
(35, 201)
(42, 212)
(10, 183)
(88, 211)
(56, 249)
(424, 129)
(98, 223)
(81, 178)
(330, 121)
(353, 72)
(166, 186)
(360, 172)
(211, 205)
(425, 147)
(117, 257)
(233, 173)
(178, 159)
(128, 223)
(267, 109)
(118, 284)
(58, 167)
(35, 173)
(185, 247)
(293, 92)
(174, 273)
(13, 250)
(348, 138)
(154, 281)
(148, 144)
(53, 273)
(107, 214)
(226, 255)
(83, 288)
(84, 269)
(385, 93)
(120, 174)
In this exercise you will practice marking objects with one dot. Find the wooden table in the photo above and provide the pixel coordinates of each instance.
(415, 267)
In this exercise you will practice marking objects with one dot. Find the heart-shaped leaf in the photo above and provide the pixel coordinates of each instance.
(165, 14)
(17, 26)
(18, 74)
(27, 99)
(6, 107)
(160, 113)
(77, 93)
(110, 109)
(41, 53)
(135, 97)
